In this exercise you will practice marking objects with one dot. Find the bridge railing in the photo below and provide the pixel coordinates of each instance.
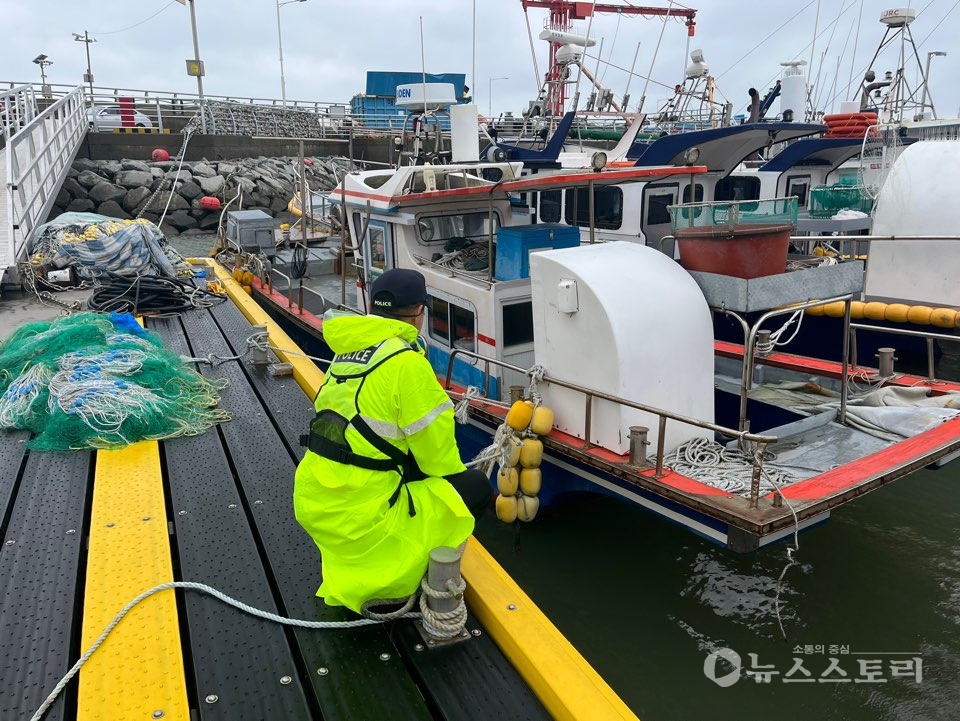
(36, 159)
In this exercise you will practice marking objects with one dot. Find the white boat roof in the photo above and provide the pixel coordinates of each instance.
(391, 189)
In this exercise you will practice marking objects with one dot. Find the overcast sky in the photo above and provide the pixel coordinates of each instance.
(329, 45)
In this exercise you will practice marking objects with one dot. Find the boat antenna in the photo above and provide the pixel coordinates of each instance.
(813, 47)
(423, 68)
(473, 71)
(626, 92)
(656, 50)
(576, 90)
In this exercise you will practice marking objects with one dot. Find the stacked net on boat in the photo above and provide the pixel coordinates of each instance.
(100, 381)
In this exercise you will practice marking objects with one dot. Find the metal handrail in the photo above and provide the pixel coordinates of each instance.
(18, 107)
(35, 169)
(929, 336)
(663, 415)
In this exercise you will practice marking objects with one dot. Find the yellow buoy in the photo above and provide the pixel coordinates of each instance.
(943, 317)
(515, 447)
(834, 310)
(815, 310)
(507, 507)
(897, 312)
(856, 309)
(919, 314)
(247, 289)
(527, 507)
(507, 481)
(542, 422)
(247, 278)
(520, 414)
(237, 274)
(875, 310)
(530, 481)
(531, 454)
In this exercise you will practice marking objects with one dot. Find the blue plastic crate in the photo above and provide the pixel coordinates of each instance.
(514, 245)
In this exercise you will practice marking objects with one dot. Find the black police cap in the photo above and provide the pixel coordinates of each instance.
(398, 288)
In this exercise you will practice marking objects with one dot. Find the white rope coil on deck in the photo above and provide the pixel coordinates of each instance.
(202, 588)
(727, 469)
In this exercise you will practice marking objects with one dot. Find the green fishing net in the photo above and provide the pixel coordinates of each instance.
(94, 380)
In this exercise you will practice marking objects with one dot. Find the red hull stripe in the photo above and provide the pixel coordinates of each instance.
(486, 339)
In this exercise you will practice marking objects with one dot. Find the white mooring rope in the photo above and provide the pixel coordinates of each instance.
(203, 588)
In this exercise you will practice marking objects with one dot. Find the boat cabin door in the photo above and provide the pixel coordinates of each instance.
(516, 333)
(655, 221)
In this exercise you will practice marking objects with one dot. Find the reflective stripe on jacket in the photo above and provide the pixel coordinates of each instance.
(369, 548)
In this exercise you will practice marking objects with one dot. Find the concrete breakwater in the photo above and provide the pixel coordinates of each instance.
(136, 188)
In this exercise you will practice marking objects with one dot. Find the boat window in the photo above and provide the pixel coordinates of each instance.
(657, 205)
(549, 211)
(607, 207)
(494, 175)
(378, 248)
(452, 325)
(518, 324)
(798, 187)
(737, 188)
(697, 194)
(441, 228)
(375, 181)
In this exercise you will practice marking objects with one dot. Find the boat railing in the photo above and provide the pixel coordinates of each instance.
(455, 272)
(929, 336)
(300, 289)
(591, 394)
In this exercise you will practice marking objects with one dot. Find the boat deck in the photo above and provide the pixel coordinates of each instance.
(84, 532)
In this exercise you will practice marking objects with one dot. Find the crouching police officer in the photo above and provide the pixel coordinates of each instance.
(382, 482)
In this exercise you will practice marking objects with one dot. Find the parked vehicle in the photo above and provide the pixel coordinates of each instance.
(108, 117)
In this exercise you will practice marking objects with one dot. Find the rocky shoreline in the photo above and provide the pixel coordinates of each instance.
(136, 188)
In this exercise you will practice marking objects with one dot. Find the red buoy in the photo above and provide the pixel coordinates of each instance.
(208, 202)
(159, 154)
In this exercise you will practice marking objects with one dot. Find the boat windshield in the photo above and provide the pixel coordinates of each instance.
(471, 227)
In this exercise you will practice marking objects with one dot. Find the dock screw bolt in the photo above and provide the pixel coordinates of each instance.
(146, 518)
(212, 698)
(418, 647)
(431, 642)
(286, 680)
(182, 513)
(232, 505)
(384, 656)
(476, 632)
(10, 543)
(157, 714)
(71, 531)
(258, 503)
(111, 525)
(323, 671)
(512, 607)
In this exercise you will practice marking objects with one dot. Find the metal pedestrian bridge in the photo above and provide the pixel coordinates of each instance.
(38, 149)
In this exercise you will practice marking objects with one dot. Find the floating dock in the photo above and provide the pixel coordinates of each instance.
(85, 532)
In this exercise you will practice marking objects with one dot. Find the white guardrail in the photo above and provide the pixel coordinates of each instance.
(36, 156)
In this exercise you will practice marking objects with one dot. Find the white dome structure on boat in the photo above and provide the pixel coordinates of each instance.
(626, 320)
(917, 198)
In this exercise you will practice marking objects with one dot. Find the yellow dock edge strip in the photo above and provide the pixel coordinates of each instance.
(139, 669)
(305, 372)
(565, 683)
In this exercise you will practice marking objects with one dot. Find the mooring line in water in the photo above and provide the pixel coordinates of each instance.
(790, 551)
(203, 588)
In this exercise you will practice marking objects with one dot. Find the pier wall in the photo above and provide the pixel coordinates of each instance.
(117, 146)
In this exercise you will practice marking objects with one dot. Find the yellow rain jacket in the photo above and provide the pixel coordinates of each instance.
(375, 535)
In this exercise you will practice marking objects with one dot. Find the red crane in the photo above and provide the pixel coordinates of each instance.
(562, 15)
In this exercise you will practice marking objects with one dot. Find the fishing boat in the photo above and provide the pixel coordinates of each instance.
(616, 338)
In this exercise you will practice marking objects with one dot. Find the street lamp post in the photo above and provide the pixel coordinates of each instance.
(88, 77)
(283, 80)
(43, 62)
(926, 76)
(490, 98)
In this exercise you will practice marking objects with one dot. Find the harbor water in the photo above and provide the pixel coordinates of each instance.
(647, 602)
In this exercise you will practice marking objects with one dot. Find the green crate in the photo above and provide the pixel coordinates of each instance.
(827, 200)
(731, 214)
